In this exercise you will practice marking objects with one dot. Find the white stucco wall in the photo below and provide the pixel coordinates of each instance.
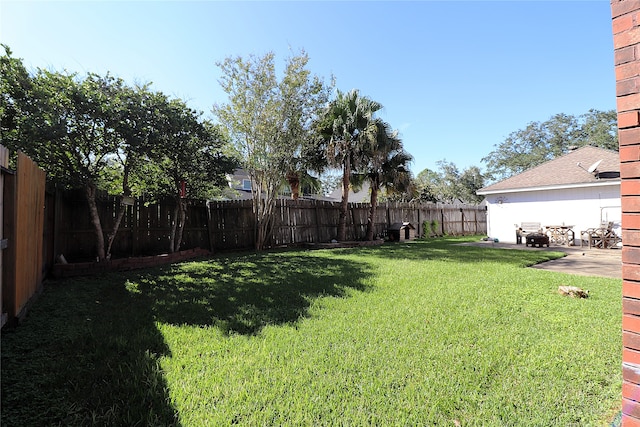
(583, 208)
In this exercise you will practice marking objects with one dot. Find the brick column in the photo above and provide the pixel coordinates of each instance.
(626, 43)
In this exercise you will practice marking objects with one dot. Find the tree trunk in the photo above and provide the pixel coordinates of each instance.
(90, 193)
(263, 225)
(259, 236)
(126, 192)
(344, 205)
(294, 184)
(112, 236)
(372, 210)
(174, 226)
(182, 216)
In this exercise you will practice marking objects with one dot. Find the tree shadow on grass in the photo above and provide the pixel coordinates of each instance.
(450, 249)
(242, 294)
(87, 354)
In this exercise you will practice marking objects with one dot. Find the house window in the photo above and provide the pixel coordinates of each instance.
(246, 184)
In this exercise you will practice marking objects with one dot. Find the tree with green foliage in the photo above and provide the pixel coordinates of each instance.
(426, 183)
(303, 96)
(66, 124)
(345, 126)
(269, 121)
(449, 185)
(70, 134)
(543, 141)
(387, 166)
(15, 89)
(471, 180)
(98, 133)
(189, 160)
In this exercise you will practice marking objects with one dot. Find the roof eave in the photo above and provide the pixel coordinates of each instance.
(549, 187)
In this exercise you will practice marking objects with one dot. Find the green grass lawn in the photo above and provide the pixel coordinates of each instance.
(422, 333)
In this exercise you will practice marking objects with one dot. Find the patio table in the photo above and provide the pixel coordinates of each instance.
(560, 234)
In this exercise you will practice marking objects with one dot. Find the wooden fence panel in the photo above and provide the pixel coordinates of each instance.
(196, 232)
(303, 222)
(151, 230)
(231, 224)
(473, 221)
(281, 227)
(380, 222)
(327, 215)
(359, 220)
(300, 215)
(76, 238)
(143, 222)
(144, 230)
(29, 230)
(430, 220)
(395, 213)
(4, 164)
(451, 219)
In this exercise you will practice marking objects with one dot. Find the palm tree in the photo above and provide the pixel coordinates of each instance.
(301, 181)
(345, 127)
(387, 166)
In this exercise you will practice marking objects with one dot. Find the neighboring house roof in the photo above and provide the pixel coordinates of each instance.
(361, 196)
(568, 171)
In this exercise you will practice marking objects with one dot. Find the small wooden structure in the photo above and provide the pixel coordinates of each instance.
(401, 231)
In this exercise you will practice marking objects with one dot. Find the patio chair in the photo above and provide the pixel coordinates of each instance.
(610, 239)
(590, 237)
(600, 237)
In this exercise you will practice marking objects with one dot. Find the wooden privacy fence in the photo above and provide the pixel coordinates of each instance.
(145, 228)
(313, 221)
(229, 225)
(23, 203)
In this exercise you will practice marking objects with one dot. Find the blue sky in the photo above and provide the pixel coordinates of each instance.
(455, 78)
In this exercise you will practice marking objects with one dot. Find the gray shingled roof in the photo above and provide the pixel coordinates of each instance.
(566, 171)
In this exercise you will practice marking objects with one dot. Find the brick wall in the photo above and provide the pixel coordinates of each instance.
(626, 42)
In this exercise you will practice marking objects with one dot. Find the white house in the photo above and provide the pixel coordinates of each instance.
(580, 189)
(239, 185)
(240, 189)
(361, 195)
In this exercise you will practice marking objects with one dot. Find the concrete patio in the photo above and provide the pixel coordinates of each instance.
(582, 261)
